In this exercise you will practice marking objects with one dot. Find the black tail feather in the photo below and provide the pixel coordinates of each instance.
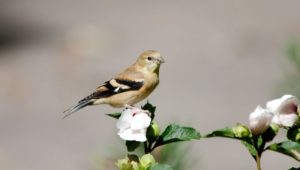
(73, 109)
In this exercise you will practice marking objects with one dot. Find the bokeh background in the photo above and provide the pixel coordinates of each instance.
(223, 58)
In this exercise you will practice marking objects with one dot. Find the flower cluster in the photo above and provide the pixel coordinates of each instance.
(264, 124)
(282, 112)
(137, 127)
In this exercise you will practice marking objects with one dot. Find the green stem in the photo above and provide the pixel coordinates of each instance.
(145, 147)
(259, 150)
(258, 167)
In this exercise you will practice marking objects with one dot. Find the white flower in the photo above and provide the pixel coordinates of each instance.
(260, 120)
(284, 110)
(133, 124)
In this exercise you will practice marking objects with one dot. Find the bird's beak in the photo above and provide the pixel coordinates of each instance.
(161, 60)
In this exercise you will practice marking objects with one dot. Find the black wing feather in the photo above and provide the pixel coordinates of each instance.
(108, 90)
(111, 90)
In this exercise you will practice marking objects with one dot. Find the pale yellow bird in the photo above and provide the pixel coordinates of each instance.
(129, 87)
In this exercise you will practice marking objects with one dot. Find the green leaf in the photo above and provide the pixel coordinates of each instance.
(270, 133)
(293, 134)
(226, 132)
(289, 148)
(172, 154)
(158, 166)
(294, 168)
(175, 133)
(259, 142)
(250, 148)
(115, 115)
(148, 106)
(132, 145)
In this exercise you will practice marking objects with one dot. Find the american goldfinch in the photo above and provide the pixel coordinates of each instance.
(129, 87)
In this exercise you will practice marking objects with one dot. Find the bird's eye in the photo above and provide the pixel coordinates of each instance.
(150, 58)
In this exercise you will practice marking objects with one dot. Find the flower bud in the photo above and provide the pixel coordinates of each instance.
(241, 131)
(126, 164)
(153, 131)
(146, 161)
(260, 120)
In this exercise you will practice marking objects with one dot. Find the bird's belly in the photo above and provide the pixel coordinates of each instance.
(119, 100)
(127, 98)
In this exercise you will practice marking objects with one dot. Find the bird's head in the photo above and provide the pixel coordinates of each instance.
(150, 60)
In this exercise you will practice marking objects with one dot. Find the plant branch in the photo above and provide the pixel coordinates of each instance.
(258, 166)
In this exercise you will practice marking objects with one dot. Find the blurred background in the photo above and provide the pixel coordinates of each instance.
(223, 58)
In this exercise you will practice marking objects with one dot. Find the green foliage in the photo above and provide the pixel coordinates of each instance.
(172, 154)
(293, 134)
(270, 133)
(115, 115)
(132, 145)
(289, 148)
(226, 132)
(294, 168)
(175, 133)
(153, 132)
(158, 166)
(252, 150)
(254, 144)
(148, 106)
(172, 134)
(237, 132)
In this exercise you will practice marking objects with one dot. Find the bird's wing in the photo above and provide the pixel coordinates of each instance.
(112, 87)
(128, 80)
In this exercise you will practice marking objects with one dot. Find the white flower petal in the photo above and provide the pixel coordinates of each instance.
(288, 120)
(139, 135)
(140, 121)
(126, 134)
(287, 104)
(133, 124)
(260, 120)
(285, 110)
(125, 119)
(276, 120)
(136, 135)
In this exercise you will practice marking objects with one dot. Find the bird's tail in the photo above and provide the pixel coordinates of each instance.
(73, 109)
